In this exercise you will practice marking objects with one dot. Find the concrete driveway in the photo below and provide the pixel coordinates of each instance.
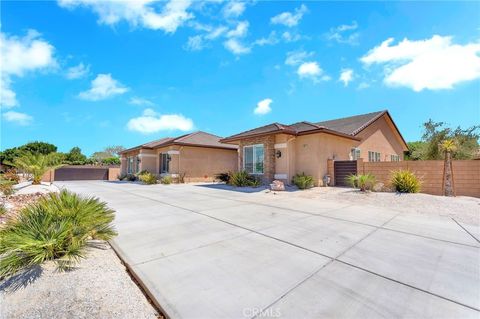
(204, 252)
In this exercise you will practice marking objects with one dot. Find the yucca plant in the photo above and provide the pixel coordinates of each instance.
(37, 164)
(58, 227)
(303, 181)
(364, 182)
(405, 181)
(243, 179)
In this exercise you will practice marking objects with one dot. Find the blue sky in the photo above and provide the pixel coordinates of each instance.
(91, 74)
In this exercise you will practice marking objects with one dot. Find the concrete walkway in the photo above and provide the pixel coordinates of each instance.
(205, 252)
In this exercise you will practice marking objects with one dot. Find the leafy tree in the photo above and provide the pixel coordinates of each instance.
(100, 156)
(39, 148)
(435, 133)
(114, 150)
(8, 156)
(75, 156)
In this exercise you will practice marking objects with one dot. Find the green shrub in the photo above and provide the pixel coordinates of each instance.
(130, 177)
(243, 179)
(405, 181)
(364, 182)
(166, 180)
(58, 227)
(3, 210)
(37, 164)
(303, 181)
(6, 187)
(148, 178)
(223, 177)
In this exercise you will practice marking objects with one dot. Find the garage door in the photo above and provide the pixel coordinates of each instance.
(342, 170)
(81, 173)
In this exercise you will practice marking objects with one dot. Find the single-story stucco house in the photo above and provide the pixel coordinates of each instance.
(279, 151)
(196, 156)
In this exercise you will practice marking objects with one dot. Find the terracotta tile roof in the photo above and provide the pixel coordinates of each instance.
(193, 139)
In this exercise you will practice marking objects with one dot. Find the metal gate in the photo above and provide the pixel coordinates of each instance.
(342, 169)
(78, 173)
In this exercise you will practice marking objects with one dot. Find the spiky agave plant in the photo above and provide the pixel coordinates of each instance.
(363, 182)
(58, 227)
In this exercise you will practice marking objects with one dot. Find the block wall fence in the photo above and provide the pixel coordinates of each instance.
(466, 174)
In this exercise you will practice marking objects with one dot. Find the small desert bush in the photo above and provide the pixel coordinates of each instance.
(243, 179)
(59, 227)
(11, 175)
(6, 187)
(223, 177)
(3, 210)
(166, 180)
(364, 182)
(148, 178)
(404, 181)
(303, 181)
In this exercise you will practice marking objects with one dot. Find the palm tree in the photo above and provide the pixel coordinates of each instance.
(448, 146)
(37, 164)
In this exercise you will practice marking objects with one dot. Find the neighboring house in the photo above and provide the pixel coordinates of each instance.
(278, 151)
(197, 157)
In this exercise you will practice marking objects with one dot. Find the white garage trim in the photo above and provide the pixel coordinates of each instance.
(280, 145)
(147, 155)
(173, 152)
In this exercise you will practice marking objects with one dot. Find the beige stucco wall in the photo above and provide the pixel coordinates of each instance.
(202, 164)
(313, 150)
(196, 163)
(382, 137)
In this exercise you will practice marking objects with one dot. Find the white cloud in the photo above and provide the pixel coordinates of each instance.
(291, 37)
(240, 31)
(263, 107)
(233, 9)
(433, 64)
(18, 118)
(290, 19)
(195, 43)
(140, 101)
(344, 33)
(237, 48)
(297, 57)
(152, 122)
(363, 85)
(216, 32)
(78, 71)
(270, 40)
(103, 87)
(312, 71)
(20, 55)
(137, 13)
(346, 76)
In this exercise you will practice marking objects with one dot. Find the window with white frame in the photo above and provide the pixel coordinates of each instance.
(395, 158)
(355, 153)
(253, 159)
(373, 156)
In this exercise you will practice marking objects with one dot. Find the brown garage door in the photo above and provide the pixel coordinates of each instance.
(70, 173)
(342, 170)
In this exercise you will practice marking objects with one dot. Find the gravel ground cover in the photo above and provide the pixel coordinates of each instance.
(461, 208)
(99, 287)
